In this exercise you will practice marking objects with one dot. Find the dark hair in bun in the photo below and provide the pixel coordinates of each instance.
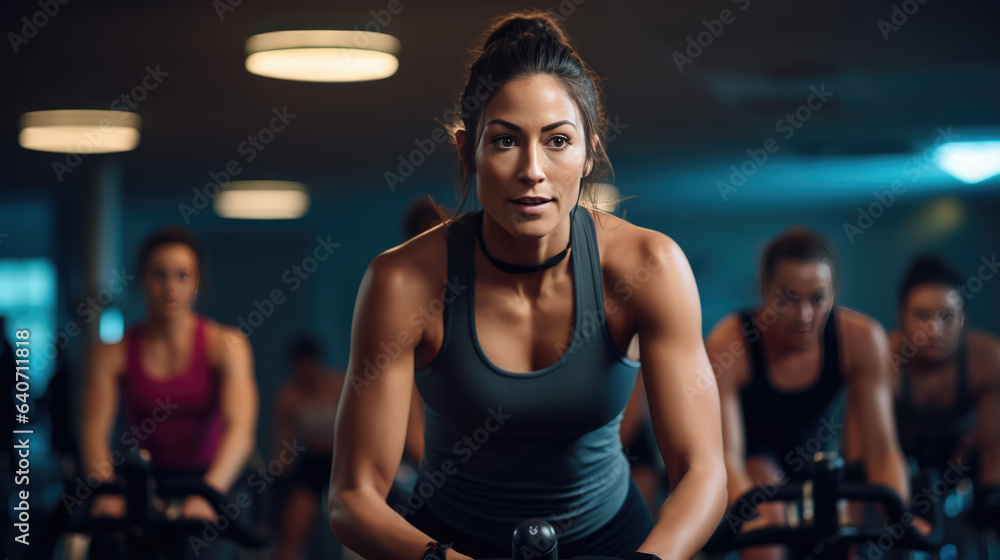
(930, 268)
(524, 44)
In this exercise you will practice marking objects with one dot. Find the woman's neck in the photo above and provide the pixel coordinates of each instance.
(528, 252)
(176, 327)
(513, 250)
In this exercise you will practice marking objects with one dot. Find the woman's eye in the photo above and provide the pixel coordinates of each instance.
(559, 141)
(504, 142)
(818, 299)
(947, 317)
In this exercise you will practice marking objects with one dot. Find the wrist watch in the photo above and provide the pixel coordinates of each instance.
(436, 551)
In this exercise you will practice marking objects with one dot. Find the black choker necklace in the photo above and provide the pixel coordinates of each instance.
(524, 269)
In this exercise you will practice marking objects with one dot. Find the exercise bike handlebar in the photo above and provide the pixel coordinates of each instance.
(824, 491)
(236, 532)
(145, 520)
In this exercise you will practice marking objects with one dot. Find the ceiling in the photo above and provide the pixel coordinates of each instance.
(892, 90)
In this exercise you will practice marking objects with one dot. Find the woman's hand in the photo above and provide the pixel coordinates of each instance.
(197, 507)
(922, 525)
(108, 505)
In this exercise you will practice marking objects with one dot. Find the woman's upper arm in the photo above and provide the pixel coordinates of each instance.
(375, 402)
(988, 417)
(725, 350)
(239, 397)
(100, 398)
(680, 385)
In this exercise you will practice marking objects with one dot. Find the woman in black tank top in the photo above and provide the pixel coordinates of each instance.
(781, 369)
(948, 397)
(522, 311)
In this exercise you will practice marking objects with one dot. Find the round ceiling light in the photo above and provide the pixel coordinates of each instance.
(262, 200)
(323, 56)
(80, 131)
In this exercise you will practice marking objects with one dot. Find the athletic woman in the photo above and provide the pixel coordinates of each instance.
(305, 412)
(186, 382)
(780, 369)
(514, 320)
(947, 376)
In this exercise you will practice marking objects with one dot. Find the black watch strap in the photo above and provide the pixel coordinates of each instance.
(436, 551)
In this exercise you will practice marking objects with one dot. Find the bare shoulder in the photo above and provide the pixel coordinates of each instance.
(895, 337)
(628, 250)
(857, 328)
(984, 360)
(413, 268)
(224, 342)
(728, 351)
(111, 357)
(863, 341)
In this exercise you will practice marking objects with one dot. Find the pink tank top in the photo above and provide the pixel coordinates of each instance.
(179, 420)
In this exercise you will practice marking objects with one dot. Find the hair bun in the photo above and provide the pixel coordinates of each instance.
(535, 24)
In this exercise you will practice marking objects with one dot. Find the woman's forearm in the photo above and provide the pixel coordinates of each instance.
(363, 522)
(690, 515)
(738, 482)
(888, 468)
(230, 458)
(96, 455)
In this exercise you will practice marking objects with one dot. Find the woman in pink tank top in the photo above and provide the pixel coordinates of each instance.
(185, 382)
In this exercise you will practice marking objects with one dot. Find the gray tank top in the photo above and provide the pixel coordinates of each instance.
(502, 446)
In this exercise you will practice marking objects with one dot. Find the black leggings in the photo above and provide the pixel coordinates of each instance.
(625, 532)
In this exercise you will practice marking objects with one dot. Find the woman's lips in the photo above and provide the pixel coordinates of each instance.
(532, 205)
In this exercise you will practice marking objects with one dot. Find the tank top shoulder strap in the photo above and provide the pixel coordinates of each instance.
(460, 236)
(590, 284)
(133, 350)
(963, 398)
(832, 375)
(758, 366)
(200, 340)
(905, 393)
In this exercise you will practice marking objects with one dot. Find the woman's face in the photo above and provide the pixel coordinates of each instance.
(171, 280)
(932, 320)
(798, 301)
(530, 156)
